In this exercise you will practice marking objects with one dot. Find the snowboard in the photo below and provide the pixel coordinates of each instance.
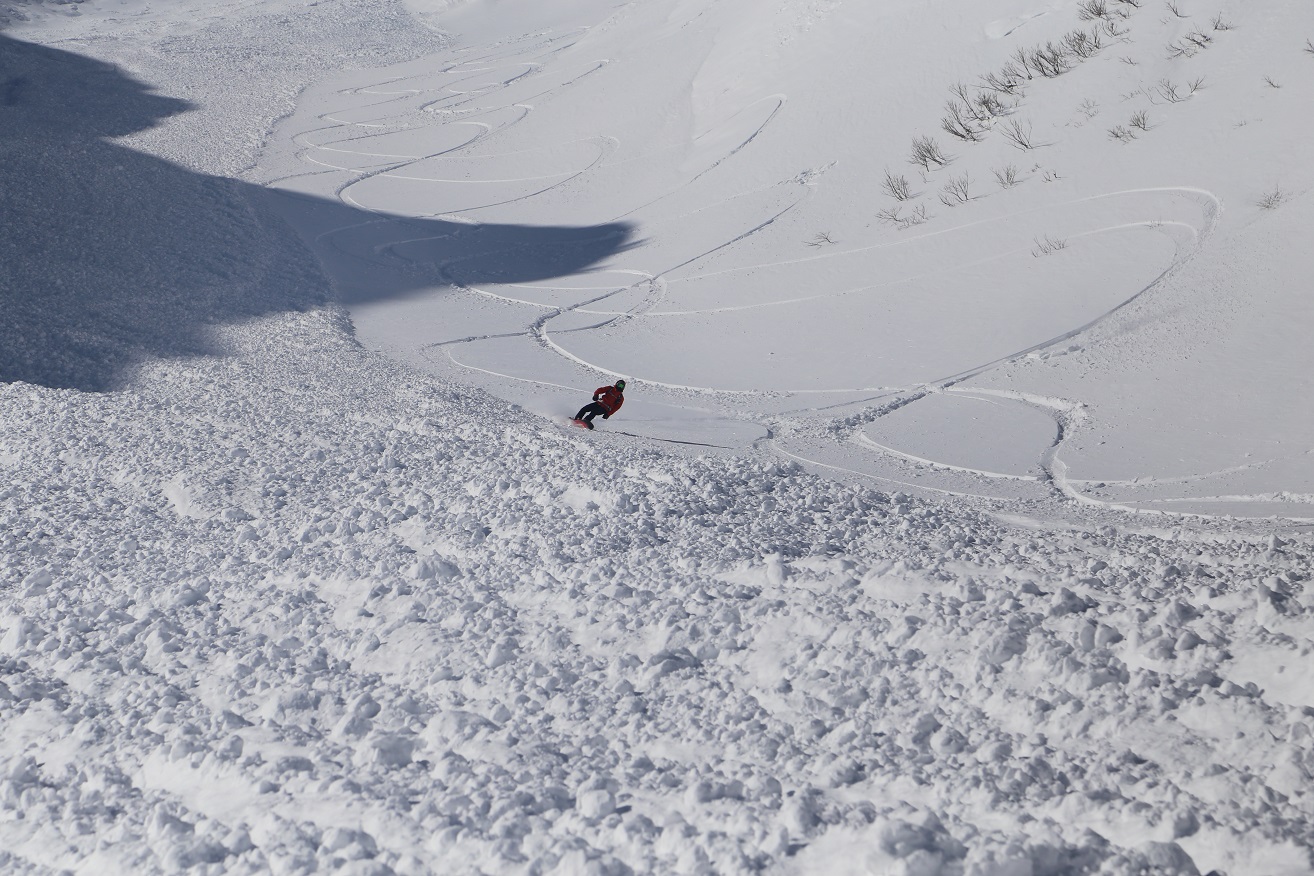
(581, 424)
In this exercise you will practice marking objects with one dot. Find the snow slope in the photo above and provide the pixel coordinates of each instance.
(278, 603)
(764, 288)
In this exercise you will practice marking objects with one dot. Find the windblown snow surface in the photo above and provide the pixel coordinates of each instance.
(960, 532)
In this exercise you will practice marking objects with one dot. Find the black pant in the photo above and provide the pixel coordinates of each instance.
(591, 410)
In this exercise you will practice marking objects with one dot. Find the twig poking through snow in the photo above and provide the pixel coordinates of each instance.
(1006, 176)
(1272, 200)
(1048, 245)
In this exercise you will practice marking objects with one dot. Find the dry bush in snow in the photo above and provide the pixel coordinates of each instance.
(1172, 93)
(1018, 133)
(1187, 47)
(1022, 63)
(959, 122)
(1008, 80)
(897, 187)
(1050, 60)
(1006, 176)
(917, 217)
(1272, 200)
(1092, 10)
(1100, 10)
(1175, 9)
(1082, 44)
(894, 216)
(969, 114)
(927, 153)
(1220, 24)
(1140, 119)
(1271, 83)
(1116, 30)
(1048, 245)
(1121, 134)
(957, 191)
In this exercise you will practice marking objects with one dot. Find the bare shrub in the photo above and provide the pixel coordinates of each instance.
(1006, 176)
(1048, 245)
(1023, 62)
(1008, 80)
(1169, 91)
(957, 191)
(1092, 10)
(1121, 134)
(1309, 46)
(897, 186)
(988, 106)
(890, 215)
(1187, 47)
(1141, 120)
(1134, 4)
(1018, 133)
(1269, 81)
(1175, 9)
(959, 121)
(821, 238)
(980, 106)
(1050, 60)
(927, 153)
(1115, 30)
(1220, 24)
(1199, 38)
(1129, 61)
(1272, 200)
(1083, 44)
(1089, 108)
(917, 217)
(894, 216)
(1196, 85)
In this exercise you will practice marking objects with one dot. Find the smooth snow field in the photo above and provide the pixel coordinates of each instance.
(957, 522)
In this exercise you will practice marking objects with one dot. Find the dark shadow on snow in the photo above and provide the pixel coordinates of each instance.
(109, 256)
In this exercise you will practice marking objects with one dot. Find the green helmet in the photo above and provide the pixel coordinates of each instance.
(620, 384)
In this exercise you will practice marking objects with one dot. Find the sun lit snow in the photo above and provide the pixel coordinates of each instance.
(956, 522)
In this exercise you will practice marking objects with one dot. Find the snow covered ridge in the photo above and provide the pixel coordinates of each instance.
(289, 611)
(279, 604)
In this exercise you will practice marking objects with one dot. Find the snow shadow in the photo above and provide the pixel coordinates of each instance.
(109, 256)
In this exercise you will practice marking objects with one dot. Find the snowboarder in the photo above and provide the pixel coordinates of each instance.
(607, 400)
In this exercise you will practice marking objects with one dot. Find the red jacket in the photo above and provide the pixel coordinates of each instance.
(610, 398)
